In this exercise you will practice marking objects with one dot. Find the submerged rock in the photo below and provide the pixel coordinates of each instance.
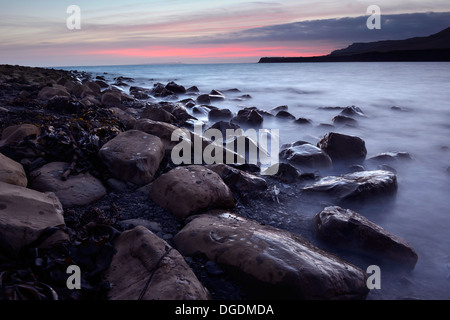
(287, 264)
(77, 190)
(352, 111)
(357, 185)
(145, 267)
(345, 227)
(390, 157)
(216, 114)
(133, 156)
(341, 147)
(184, 190)
(25, 215)
(285, 115)
(306, 155)
(249, 117)
(238, 180)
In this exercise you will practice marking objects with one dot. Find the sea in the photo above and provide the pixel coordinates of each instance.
(406, 108)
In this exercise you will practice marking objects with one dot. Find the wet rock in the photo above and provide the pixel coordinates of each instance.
(95, 87)
(16, 134)
(111, 98)
(158, 114)
(286, 173)
(12, 172)
(77, 190)
(390, 157)
(25, 214)
(285, 115)
(275, 110)
(249, 117)
(344, 227)
(175, 88)
(306, 155)
(340, 119)
(162, 130)
(192, 89)
(301, 120)
(352, 111)
(238, 180)
(201, 110)
(133, 156)
(223, 126)
(203, 99)
(357, 185)
(288, 264)
(102, 83)
(217, 114)
(63, 104)
(80, 90)
(47, 93)
(184, 190)
(140, 93)
(145, 267)
(341, 147)
(159, 90)
(128, 120)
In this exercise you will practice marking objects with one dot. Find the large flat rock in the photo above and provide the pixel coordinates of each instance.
(133, 156)
(12, 172)
(145, 267)
(25, 214)
(357, 186)
(347, 228)
(291, 266)
(77, 190)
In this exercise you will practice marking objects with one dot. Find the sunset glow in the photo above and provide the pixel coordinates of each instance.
(200, 31)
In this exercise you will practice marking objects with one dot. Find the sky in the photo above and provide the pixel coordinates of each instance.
(117, 32)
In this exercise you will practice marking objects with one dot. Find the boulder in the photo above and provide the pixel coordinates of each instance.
(357, 186)
(128, 120)
(162, 130)
(340, 119)
(78, 190)
(25, 214)
(63, 104)
(16, 134)
(133, 156)
(341, 147)
(216, 114)
(47, 93)
(159, 90)
(192, 89)
(158, 114)
(185, 190)
(285, 115)
(306, 155)
(275, 110)
(285, 263)
(344, 227)
(94, 87)
(12, 172)
(80, 90)
(248, 116)
(352, 111)
(111, 98)
(238, 180)
(301, 120)
(286, 173)
(175, 88)
(223, 126)
(145, 267)
(203, 99)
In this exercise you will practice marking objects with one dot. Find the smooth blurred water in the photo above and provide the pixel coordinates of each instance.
(421, 211)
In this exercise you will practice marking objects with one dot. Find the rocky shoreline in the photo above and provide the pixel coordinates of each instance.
(86, 179)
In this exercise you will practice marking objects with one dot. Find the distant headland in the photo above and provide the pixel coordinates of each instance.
(435, 47)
